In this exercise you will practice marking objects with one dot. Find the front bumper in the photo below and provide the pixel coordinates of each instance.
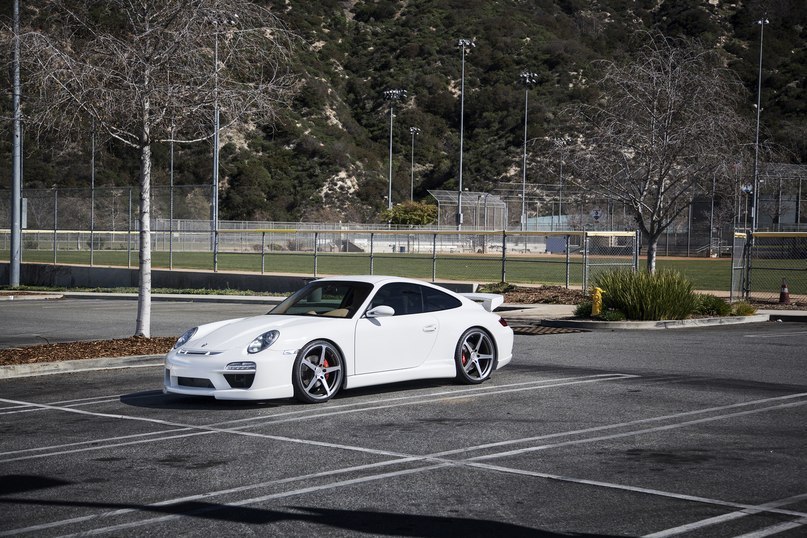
(199, 375)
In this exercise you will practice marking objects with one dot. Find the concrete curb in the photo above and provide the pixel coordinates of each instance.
(645, 325)
(31, 297)
(84, 365)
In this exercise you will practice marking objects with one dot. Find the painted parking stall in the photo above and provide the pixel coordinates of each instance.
(582, 433)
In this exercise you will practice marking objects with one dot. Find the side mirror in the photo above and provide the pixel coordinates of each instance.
(381, 311)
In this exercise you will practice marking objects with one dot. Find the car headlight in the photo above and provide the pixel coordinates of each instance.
(262, 342)
(187, 335)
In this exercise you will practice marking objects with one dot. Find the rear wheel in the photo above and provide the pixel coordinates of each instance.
(318, 372)
(475, 356)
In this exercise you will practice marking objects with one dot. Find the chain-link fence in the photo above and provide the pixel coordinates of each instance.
(770, 266)
(557, 258)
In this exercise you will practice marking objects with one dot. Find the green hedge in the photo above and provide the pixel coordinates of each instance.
(644, 296)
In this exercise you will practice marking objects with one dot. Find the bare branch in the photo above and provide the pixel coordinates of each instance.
(664, 127)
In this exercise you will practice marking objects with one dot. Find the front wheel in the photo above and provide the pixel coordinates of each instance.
(475, 356)
(318, 372)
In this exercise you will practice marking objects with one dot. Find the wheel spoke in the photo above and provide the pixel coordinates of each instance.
(329, 388)
(308, 364)
(310, 386)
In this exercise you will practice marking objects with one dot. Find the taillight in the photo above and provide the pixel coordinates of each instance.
(503, 322)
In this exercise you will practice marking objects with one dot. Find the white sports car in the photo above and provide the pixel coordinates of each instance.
(341, 333)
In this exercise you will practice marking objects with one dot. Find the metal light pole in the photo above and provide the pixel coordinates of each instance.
(560, 143)
(15, 252)
(219, 18)
(415, 131)
(463, 44)
(755, 204)
(527, 78)
(391, 96)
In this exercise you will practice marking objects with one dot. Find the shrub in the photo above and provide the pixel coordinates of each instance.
(612, 315)
(742, 308)
(709, 305)
(647, 296)
(583, 310)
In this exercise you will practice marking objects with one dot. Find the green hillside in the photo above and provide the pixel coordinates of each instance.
(326, 157)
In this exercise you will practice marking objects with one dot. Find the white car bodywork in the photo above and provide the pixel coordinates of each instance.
(374, 346)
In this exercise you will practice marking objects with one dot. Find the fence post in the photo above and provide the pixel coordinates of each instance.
(749, 245)
(568, 266)
(636, 239)
(263, 251)
(316, 260)
(372, 254)
(585, 261)
(55, 221)
(504, 255)
(434, 257)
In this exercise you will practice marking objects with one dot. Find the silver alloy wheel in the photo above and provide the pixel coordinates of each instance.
(476, 355)
(317, 372)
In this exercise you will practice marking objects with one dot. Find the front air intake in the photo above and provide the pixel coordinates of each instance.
(240, 381)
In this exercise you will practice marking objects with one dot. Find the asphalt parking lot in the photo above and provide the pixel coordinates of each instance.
(691, 432)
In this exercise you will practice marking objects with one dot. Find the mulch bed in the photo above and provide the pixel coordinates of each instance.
(120, 347)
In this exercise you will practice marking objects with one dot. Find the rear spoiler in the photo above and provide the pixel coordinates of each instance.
(488, 301)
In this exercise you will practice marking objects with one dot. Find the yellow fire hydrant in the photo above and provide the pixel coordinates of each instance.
(596, 301)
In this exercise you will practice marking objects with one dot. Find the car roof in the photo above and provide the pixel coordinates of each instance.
(373, 279)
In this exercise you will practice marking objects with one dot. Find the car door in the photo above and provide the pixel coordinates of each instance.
(404, 340)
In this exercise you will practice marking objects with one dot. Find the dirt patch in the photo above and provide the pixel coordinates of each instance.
(121, 347)
(544, 295)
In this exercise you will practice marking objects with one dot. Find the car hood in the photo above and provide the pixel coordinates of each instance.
(240, 332)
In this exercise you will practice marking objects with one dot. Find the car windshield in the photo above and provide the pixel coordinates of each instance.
(331, 299)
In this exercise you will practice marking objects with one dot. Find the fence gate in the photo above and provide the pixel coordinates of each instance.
(609, 250)
(764, 263)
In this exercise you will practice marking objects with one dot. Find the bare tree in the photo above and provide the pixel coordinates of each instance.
(149, 71)
(664, 127)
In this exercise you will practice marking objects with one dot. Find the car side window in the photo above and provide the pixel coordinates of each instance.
(404, 298)
(436, 300)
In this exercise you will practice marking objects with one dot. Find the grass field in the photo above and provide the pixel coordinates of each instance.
(705, 273)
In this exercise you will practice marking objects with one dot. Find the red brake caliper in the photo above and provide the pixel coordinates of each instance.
(325, 364)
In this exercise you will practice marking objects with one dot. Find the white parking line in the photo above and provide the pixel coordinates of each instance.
(634, 423)
(725, 518)
(778, 335)
(288, 416)
(636, 489)
(776, 529)
(473, 462)
(637, 432)
(29, 407)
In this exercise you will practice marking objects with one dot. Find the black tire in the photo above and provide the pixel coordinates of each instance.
(318, 372)
(475, 356)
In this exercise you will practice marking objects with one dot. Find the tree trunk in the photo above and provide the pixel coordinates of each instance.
(652, 247)
(143, 327)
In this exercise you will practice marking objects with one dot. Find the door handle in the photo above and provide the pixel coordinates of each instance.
(429, 328)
